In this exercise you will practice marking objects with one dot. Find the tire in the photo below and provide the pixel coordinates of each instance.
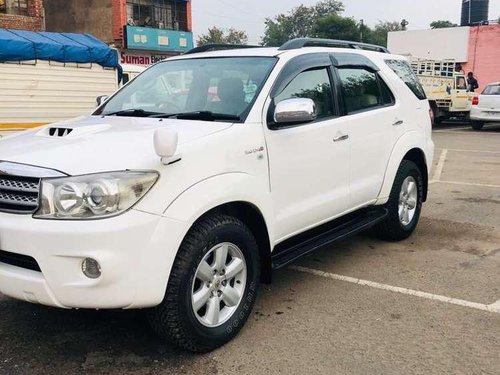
(477, 125)
(393, 228)
(435, 114)
(175, 319)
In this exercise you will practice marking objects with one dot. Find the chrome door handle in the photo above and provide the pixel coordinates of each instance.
(341, 138)
(398, 122)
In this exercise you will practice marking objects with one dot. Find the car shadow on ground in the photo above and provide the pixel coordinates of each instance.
(39, 339)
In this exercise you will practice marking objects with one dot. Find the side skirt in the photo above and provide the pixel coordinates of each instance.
(326, 234)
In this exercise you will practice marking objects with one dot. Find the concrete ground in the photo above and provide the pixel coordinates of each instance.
(428, 305)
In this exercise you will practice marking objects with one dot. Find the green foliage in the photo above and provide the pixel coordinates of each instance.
(442, 24)
(337, 27)
(299, 22)
(378, 35)
(216, 35)
(324, 20)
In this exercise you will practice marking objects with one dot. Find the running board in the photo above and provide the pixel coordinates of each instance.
(326, 234)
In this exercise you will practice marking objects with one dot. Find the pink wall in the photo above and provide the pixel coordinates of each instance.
(484, 54)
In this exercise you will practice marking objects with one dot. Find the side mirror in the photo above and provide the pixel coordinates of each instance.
(101, 99)
(165, 143)
(295, 111)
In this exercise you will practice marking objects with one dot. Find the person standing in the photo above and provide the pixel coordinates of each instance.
(472, 82)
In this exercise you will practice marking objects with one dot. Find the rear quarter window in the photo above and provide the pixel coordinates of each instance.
(404, 71)
(492, 90)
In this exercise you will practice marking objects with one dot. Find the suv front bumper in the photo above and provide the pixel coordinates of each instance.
(135, 250)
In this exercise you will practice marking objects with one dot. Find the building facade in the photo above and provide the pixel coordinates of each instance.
(474, 48)
(145, 31)
(22, 14)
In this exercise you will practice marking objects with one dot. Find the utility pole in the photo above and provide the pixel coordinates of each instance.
(361, 30)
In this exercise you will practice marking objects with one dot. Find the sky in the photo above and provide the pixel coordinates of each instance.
(249, 15)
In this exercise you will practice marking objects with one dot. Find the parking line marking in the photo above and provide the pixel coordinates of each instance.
(465, 183)
(469, 132)
(494, 307)
(440, 165)
(480, 151)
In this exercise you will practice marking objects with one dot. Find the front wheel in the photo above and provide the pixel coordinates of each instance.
(213, 285)
(404, 205)
(477, 125)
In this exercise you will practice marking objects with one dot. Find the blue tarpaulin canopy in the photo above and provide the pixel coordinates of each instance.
(21, 45)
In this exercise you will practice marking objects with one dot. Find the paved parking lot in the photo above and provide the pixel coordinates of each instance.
(428, 305)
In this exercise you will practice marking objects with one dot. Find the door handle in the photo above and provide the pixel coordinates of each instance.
(398, 122)
(341, 138)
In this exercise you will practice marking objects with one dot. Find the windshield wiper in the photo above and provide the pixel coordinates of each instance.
(133, 112)
(199, 115)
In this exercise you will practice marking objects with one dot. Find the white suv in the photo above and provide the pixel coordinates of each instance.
(193, 182)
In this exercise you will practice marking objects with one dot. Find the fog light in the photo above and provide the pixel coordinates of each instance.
(91, 268)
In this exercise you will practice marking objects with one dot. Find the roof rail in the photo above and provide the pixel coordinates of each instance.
(333, 43)
(218, 47)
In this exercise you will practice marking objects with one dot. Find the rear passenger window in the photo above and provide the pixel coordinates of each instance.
(404, 71)
(312, 84)
(363, 90)
(492, 90)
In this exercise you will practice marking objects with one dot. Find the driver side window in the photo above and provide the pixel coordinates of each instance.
(312, 84)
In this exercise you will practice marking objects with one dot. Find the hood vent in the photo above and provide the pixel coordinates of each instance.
(59, 132)
(71, 132)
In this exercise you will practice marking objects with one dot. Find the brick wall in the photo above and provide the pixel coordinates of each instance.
(33, 22)
(80, 16)
(119, 20)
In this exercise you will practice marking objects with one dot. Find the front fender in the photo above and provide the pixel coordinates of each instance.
(219, 190)
(407, 142)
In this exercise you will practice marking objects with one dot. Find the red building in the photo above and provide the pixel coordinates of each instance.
(22, 14)
(484, 54)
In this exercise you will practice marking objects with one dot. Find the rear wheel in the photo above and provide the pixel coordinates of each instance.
(437, 115)
(212, 288)
(404, 205)
(477, 125)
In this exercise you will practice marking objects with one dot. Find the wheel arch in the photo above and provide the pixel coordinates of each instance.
(413, 146)
(241, 195)
(251, 216)
(417, 156)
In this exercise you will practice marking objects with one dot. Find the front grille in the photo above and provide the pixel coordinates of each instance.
(18, 260)
(19, 194)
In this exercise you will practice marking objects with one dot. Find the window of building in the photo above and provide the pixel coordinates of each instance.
(159, 14)
(19, 7)
(363, 90)
(312, 84)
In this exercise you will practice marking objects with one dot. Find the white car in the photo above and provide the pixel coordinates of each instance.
(183, 201)
(486, 107)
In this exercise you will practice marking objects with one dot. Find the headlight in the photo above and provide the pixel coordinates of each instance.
(93, 196)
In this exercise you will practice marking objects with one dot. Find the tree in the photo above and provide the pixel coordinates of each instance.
(338, 27)
(216, 35)
(300, 22)
(379, 34)
(442, 24)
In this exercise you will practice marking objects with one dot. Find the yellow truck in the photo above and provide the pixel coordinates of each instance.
(445, 88)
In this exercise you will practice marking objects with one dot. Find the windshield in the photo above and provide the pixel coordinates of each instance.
(222, 86)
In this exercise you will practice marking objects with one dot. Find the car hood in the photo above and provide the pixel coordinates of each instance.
(98, 144)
